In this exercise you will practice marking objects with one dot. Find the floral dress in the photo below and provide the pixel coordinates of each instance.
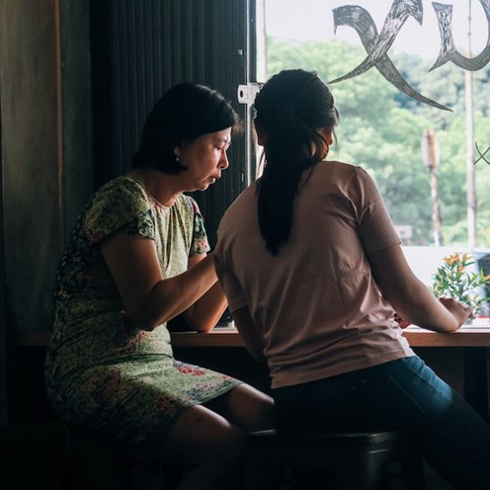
(101, 372)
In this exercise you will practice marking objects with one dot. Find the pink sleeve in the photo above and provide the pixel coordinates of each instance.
(376, 229)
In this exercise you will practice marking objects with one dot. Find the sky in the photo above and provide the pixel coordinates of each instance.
(313, 20)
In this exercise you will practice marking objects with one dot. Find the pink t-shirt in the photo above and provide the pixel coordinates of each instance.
(316, 302)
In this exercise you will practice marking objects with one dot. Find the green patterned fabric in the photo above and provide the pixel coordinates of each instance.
(102, 372)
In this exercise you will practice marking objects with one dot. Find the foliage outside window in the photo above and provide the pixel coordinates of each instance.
(381, 130)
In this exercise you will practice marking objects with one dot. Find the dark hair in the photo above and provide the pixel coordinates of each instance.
(290, 110)
(183, 113)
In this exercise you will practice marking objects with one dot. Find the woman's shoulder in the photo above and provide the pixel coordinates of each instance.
(118, 201)
(246, 197)
(338, 167)
(122, 185)
(121, 191)
(239, 211)
(337, 171)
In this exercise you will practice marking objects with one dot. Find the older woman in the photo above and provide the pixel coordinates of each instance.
(136, 259)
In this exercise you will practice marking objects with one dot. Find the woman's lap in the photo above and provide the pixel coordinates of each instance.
(216, 430)
(200, 435)
(137, 407)
(246, 407)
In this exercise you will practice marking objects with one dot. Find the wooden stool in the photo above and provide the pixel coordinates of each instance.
(357, 461)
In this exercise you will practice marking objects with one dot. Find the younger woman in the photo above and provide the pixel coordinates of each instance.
(314, 272)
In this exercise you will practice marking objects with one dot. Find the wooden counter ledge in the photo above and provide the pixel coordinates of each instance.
(466, 336)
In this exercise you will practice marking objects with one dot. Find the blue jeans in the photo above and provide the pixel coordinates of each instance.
(403, 395)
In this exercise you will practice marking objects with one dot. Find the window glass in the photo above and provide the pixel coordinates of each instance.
(382, 128)
(417, 122)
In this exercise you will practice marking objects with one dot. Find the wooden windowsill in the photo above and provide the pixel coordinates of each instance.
(467, 336)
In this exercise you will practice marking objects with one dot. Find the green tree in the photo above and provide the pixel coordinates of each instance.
(381, 130)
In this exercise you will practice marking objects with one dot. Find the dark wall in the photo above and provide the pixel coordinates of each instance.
(3, 330)
(78, 166)
(32, 199)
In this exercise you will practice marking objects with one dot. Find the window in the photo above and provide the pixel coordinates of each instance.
(415, 126)
(382, 128)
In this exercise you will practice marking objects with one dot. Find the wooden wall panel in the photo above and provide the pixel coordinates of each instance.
(78, 178)
(31, 158)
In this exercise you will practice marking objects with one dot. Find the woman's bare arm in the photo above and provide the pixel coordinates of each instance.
(410, 298)
(205, 313)
(147, 297)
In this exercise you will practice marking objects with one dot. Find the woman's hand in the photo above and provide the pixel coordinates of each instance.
(205, 313)
(411, 299)
(458, 310)
(402, 322)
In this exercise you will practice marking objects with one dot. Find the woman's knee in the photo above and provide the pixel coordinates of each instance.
(263, 414)
(246, 407)
(201, 436)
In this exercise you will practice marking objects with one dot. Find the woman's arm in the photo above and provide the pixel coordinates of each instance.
(205, 313)
(252, 336)
(410, 298)
(147, 297)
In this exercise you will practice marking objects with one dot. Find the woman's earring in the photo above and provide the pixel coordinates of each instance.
(176, 151)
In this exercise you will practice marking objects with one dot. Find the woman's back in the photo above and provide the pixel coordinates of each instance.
(316, 300)
(313, 271)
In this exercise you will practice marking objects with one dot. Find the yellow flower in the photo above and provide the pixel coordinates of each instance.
(451, 259)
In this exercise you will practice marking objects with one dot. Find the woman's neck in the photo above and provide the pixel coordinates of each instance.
(162, 187)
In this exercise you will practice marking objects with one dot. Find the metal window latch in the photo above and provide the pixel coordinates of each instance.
(246, 93)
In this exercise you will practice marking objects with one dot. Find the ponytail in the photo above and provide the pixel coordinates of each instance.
(292, 145)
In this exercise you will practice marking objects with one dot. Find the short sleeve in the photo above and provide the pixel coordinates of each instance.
(119, 205)
(200, 242)
(376, 229)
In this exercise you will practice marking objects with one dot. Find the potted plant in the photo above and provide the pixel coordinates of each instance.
(453, 279)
